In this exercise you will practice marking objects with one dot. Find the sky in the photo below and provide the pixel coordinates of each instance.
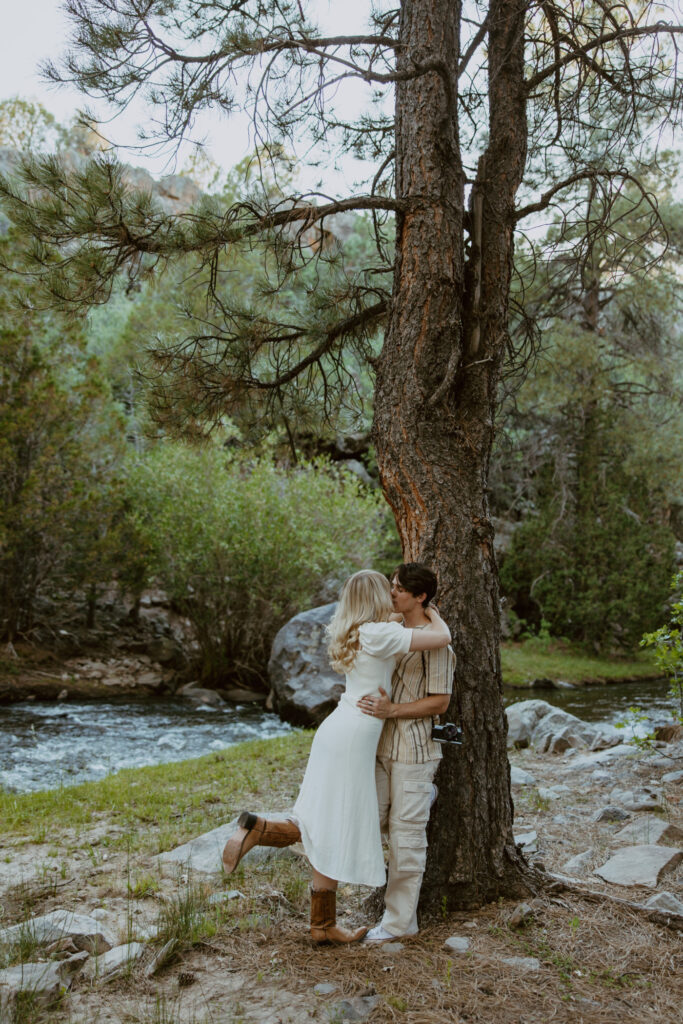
(35, 30)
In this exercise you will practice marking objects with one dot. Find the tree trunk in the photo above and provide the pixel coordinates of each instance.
(434, 411)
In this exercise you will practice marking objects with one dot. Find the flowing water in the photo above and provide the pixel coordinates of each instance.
(44, 745)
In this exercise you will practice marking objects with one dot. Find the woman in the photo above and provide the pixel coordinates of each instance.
(336, 814)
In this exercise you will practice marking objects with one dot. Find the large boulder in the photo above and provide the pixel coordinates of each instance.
(551, 731)
(304, 687)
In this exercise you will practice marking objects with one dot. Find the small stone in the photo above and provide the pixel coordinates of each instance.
(43, 980)
(578, 864)
(525, 963)
(324, 988)
(611, 813)
(552, 793)
(666, 902)
(639, 865)
(353, 1009)
(86, 932)
(392, 947)
(526, 838)
(457, 944)
(518, 777)
(561, 819)
(73, 965)
(637, 800)
(600, 775)
(673, 776)
(522, 915)
(161, 958)
(223, 897)
(62, 695)
(116, 961)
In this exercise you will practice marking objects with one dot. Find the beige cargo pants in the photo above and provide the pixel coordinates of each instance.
(404, 795)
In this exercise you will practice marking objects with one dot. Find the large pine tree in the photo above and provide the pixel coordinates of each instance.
(495, 103)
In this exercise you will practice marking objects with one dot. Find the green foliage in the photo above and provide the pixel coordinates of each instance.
(667, 643)
(60, 440)
(240, 545)
(598, 566)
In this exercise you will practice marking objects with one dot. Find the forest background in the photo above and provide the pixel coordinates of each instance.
(110, 472)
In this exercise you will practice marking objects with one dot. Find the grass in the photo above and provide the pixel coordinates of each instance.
(524, 662)
(162, 806)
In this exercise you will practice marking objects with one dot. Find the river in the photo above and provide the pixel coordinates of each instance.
(45, 745)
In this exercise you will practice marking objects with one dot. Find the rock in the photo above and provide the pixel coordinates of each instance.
(637, 800)
(223, 897)
(392, 948)
(521, 916)
(600, 775)
(324, 988)
(457, 944)
(610, 813)
(524, 963)
(550, 730)
(673, 776)
(518, 777)
(666, 902)
(600, 757)
(73, 965)
(241, 696)
(203, 853)
(116, 961)
(165, 650)
(552, 793)
(304, 687)
(152, 680)
(43, 981)
(669, 733)
(355, 1008)
(639, 865)
(579, 863)
(522, 718)
(200, 695)
(649, 830)
(86, 932)
(161, 957)
(526, 839)
(62, 695)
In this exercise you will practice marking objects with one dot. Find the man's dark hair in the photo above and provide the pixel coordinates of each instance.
(417, 579)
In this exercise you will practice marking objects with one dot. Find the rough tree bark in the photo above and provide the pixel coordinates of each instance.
(434, 410)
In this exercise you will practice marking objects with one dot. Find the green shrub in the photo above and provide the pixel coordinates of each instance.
(597, 568)
(240, 546)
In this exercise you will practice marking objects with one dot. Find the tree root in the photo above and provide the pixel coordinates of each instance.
(562, 883)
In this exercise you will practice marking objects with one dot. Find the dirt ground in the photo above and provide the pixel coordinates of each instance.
(249, 959)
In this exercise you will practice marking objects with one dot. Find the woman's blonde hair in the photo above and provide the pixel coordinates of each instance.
(365, 597)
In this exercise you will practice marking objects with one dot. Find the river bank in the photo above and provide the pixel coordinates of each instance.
(241, 951)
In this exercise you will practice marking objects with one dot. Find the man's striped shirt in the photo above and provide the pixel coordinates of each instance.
(417, 674)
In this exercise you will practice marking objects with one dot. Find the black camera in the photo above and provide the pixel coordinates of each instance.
(448, 733)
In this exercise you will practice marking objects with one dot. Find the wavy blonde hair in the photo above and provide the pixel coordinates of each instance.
(365, 597)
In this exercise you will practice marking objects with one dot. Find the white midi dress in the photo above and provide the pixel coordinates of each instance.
(336, 809)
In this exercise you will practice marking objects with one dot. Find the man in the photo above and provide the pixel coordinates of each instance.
(407, 757)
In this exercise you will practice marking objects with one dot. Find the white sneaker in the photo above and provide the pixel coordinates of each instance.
(378, 934)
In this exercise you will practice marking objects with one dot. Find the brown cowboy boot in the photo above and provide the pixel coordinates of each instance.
(252, 831)
(324, 927)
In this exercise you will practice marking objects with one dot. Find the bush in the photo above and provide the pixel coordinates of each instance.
(598, 570)
(240, 546)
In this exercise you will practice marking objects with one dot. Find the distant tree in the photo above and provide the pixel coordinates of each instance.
(60, 444)
(494, 103)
